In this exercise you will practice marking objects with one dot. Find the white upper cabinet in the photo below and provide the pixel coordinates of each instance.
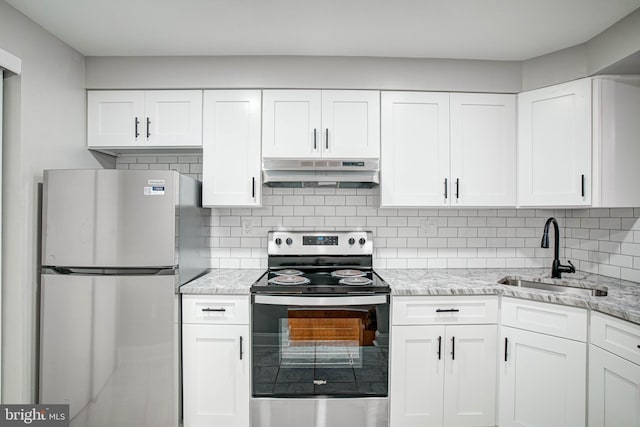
(616, 151)
(483, 149)
(415, 149)
(231, 148)
(327, 124)
(554, 145)
(115, 118)
(441, 149)
(292, 124)
(174, 118)
(144, 119)
(351, 124)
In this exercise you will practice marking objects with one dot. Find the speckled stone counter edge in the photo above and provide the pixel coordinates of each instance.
(622, 301)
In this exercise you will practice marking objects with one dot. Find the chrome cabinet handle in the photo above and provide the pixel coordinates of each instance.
(214, 309)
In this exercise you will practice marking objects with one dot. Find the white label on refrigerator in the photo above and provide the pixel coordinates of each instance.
(155, 187)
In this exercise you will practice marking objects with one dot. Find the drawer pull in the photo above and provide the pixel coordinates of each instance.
(447, 310)
(214, 309)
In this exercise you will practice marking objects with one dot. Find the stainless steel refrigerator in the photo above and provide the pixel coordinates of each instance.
(116, 246)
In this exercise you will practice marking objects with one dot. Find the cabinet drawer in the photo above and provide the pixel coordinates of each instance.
(218, 309)
(550, 319)
(426, 310)
(617, 336)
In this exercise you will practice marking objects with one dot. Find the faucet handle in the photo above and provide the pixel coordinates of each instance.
(573, 268)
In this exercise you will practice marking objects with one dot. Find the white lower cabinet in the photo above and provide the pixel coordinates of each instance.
(442, 375)
(542, 380)
(614, 372)
(215, 360)
(614, 390)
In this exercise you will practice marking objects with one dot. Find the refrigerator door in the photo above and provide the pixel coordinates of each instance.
(109, 348)
(109, 218)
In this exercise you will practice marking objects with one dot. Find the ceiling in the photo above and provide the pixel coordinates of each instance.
(469, 29)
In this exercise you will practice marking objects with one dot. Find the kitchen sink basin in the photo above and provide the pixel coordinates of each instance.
(552, 287)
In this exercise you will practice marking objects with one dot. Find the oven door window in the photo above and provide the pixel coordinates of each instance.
(320, 351)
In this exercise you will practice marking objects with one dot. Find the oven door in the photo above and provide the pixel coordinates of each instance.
(320, 346)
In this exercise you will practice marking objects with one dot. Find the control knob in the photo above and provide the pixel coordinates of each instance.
(362, 241)
(289, 241)
(352, 241)
(278, 241)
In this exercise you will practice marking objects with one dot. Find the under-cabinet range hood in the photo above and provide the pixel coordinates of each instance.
(325, 173)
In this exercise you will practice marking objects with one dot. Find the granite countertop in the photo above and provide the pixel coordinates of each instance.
(623, 299)
(223, 281)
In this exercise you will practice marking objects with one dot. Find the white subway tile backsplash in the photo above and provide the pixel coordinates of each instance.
(603, 241)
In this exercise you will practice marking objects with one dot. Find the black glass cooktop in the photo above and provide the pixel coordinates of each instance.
(320, 281)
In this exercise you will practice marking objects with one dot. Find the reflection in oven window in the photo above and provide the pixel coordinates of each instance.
(326, 338)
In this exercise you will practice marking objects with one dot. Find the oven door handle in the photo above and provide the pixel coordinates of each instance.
(319, 301)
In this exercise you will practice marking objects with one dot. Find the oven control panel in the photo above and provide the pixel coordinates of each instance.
(320, 243)
(320, 240)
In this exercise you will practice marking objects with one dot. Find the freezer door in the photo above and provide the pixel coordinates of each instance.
(109, 349)
(109, 218)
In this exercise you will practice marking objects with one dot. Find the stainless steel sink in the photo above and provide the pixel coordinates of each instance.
(552, 287)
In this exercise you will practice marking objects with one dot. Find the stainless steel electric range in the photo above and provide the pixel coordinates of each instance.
(320, 333)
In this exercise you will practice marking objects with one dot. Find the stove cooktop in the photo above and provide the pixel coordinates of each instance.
(320, 282)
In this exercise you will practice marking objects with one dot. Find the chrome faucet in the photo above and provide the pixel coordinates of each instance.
(556, 268)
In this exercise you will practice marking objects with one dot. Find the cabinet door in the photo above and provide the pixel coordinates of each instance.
(616, 108)
(115, 118)
(415, 149)
(542, 381)
(173, 118)
(614, 390)
(470, 376)
(231, 148)
(417, 374)
(291, 123)
(350, 124)
(554, 145)
(215, 375)
(483, 149)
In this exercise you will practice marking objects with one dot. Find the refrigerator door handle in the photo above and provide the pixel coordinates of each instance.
(153, 271)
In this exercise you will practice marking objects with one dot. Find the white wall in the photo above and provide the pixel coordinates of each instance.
(44, 128)
(303, 72)
(613, 45)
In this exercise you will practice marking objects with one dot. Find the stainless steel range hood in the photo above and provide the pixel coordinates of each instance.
(325, 173)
